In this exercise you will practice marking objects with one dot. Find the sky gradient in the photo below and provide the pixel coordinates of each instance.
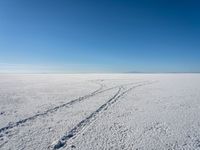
(70, 36)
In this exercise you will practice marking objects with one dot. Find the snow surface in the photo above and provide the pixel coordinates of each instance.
(100, 111)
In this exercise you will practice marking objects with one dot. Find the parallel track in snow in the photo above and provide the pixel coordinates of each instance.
(54, 109)
(79, 128)
(51, 110)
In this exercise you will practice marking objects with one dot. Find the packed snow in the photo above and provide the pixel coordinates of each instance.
(100, 111)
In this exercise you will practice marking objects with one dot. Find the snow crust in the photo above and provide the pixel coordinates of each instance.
(99, 111)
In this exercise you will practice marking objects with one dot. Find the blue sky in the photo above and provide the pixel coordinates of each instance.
(99, 36)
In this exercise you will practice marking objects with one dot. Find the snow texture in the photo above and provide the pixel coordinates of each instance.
(100, 111)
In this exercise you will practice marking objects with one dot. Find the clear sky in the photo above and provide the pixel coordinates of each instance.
(99, 36)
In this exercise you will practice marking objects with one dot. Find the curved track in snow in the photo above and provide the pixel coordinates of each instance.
(91, 118)
(54, 109)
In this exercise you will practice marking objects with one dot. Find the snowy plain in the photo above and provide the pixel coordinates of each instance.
(100, 111)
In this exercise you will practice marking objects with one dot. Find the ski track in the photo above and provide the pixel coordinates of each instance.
(74, 132)
(51, 110)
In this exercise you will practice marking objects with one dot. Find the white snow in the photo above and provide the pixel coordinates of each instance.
(99, 111)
